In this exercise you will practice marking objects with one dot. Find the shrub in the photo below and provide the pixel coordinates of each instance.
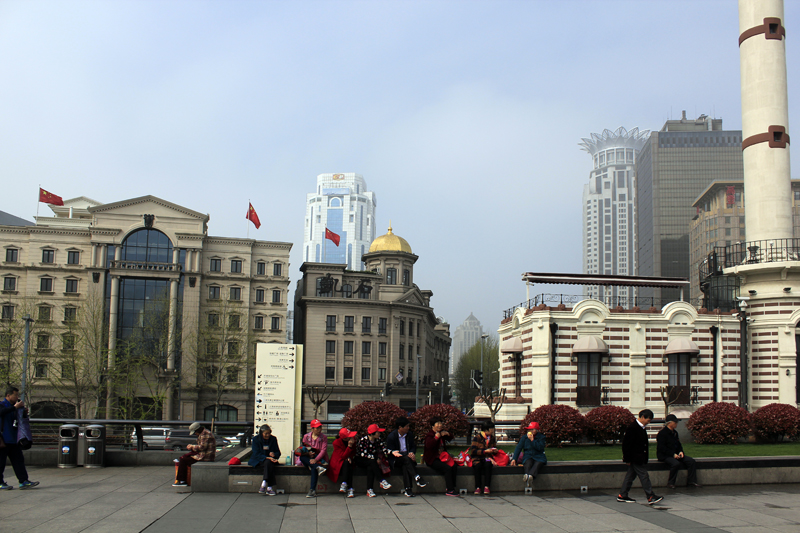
(453, 420)
(559, 423)
(775, 421)
(608, 423)
(359, 417)
(719, 423)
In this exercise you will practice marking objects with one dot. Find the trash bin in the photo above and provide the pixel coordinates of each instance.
(95, 446)
(68, 446)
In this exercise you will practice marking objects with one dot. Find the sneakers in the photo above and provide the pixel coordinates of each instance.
(28, 484)
(321, 470)
(351, 493)
(6, 486)
(525, 478)
(654, 499)
(385, 485)
(486, 490)
(311, 494)
(343, 488)
(262, 490)
(421, 482)
(270, 491)
(371, 493)
(625, 499)
(176, 484)
(175, 461)
(451, 493)
(529, 481)
(408, 493)
(478, 491)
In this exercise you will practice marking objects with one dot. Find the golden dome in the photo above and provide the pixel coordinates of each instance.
(390, 243)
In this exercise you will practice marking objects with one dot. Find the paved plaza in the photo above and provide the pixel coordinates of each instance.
(131, 499)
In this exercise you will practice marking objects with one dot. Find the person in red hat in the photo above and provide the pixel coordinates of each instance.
(530, 453)
(370, 450)
(313, 454)
(341, 465)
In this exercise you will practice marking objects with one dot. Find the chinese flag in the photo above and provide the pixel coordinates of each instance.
(49, 198)
(252, 216)
(332, 236)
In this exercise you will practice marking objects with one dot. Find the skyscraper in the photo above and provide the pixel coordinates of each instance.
(609, 209)
(343, 205)
(465, 337)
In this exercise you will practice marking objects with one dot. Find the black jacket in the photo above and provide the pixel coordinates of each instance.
(393, 444)
(669, 444)
(634, 445)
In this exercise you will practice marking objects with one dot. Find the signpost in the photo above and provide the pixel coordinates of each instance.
(279, 391)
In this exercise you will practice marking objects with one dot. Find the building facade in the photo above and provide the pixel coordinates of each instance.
(138, 312)
(609, 209)
(464, 338)
(362, 331)
(343, 205)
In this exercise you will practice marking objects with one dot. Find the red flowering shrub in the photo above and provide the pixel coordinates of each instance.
(453, 420)
(608, 423)
(359, 417)
(559, 423)
(719, 423)
(775, 421)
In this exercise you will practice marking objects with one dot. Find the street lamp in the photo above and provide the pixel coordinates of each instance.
(483, 338)
(26, 347)
(436, 383)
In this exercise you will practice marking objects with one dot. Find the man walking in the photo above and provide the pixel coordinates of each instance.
(402, 449)
(204, 450)
(670, 451)
(12, 450)
(635, 453)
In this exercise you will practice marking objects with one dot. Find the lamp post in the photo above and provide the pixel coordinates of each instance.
(437, 383)
(25, 348)
(483, 338)
(416, 408)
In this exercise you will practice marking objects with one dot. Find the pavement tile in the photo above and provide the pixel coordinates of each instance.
(378, 525)
(709, 518)
(528, 524)
(478, 525)
(439, 525)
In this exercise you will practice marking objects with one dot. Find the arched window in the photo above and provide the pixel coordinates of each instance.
(147, 245)
(225, 413)
(336, 202)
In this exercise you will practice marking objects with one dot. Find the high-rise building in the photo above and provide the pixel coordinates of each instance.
(674, 166)
(343, 205)
(609, 209)
(465, 337)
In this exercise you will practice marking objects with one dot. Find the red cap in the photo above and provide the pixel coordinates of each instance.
(316, 423)
(234, 461)
(373, 428)
(347, 434)
(533, 425)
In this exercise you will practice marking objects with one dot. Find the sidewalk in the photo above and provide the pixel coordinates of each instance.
(133, 499)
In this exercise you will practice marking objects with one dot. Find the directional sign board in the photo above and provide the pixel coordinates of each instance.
(279, 391)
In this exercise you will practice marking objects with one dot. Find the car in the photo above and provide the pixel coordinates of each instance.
(154, 437)
(177, 439)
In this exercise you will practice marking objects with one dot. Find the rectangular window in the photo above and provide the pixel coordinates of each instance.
(381, 374)
(261, 269)
(44, 314)
(48, 256)
(9, 284)
(236, 293)
(348, 347)
(233, 348)
(216, 265)
(40, 371)
(233, 321)
(366, 348)
(232, 375)
(276, 323)
(46, 285)
(381, 348)
(391, 276)
(67, 370)
(259, 322)
(382, 326)
(213, 320)
(212, 348)
(12, 255)
(348, 372)
(213, 293)
(260, 295)
(330, 323)
(349, 322)
(73, 257)
(276, 296)
(42, 342)
(68, 343)
(410, 328)
(277, 269)
(70, 314)
(330, 372)
(8, 312)
(236, 266)
(679, 369)
(402, 352)
(406, 277)
(366, 324)
(402, 327)
(365, 371)
(72, 285)
(330, 347)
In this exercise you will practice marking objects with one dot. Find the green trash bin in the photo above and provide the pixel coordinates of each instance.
(68, 446)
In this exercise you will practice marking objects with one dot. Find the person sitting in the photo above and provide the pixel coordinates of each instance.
(435, 444)
(484, 446)
(370, 449)
(313, 455)
(402, 454)
(530, 452)
(204, 450)
(669, 450)
(266, 452)
(341, 464)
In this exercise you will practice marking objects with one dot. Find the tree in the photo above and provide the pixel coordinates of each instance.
(493, 402)
(471, 360)
(318, 396)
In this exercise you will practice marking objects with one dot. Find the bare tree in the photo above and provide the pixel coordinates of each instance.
(492, 402)
(318, 396)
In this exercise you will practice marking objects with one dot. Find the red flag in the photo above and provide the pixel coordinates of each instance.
(49, 198)
(332, 236)
(252, 216)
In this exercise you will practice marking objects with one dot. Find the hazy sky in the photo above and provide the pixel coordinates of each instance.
(464, 117)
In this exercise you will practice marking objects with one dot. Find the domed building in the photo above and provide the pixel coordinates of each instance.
(371, 335)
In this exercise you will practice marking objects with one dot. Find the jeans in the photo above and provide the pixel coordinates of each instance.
(483, 471)
(184, 463)
(532, 467)
(409, 469)
(675, 465)
(633, 471)
(449, 473)
(14, 453)
(306, 460)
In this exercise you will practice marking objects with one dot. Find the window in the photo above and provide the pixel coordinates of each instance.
(224, 413)
(330, 347)
(337, 409)
(211, 374)
(68, 342)
(348, 324)
(259, 322)
(261, 268)
(213, 320)
(330, 372)
(232, 375)
(213, 293)
(381, 374)
(44, 314)
(366, 324)
(347, 291)
(330, 323)
(679, 368)
(233, 348)
(8, 312)
(402, 327)
(215, 265)
(236, 266)
(42, 342)
(48, 256)
(9, 283)
(382, 326)
(40, 371)
(6, 341)
(12, 255)
(348, 372)
(260, 295)
(212, 348)
(402, 352)
(67, 370)
(277, 269)
(366, 348)
(46, 285)
(365, 373)
(410, 328)
(588, 389)
(236, 293)
(72, 285)
(381, 348)
(70, 314)
(406, 277)
(73, 257)
(391, 276)
(276, 296)
(348, 347)
(276, 323)
(233, 321)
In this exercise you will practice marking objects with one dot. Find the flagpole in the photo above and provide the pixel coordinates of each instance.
(248, 217)
(37, 200)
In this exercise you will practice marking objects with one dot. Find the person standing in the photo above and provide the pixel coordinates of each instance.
(531, 445)
(635, 453)
(435, 444)
(315, 455)
(670, 451)
(204, 450)
(341, 465)
(9, 407)
(370, 449)
(484, 446)
(266, 452)
(402, 449)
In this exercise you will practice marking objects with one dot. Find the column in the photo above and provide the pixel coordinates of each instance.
(112, 336)
(171, 334)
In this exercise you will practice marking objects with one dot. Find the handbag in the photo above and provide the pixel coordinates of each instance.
(501, 458)
(384, 464)
(446, 458)
(24, 435)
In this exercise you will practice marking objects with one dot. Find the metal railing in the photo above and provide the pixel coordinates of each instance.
(754, 252)
(145, 265)
(611, 302)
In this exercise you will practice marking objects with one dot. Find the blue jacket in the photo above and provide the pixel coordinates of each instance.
(8, 421)
(259, 453)
(534, 449)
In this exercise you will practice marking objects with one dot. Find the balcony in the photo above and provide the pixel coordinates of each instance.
(752, 253)
(569, 300)
(146, 266)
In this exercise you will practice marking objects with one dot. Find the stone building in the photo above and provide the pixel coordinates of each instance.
(362, 331)
(137, 295)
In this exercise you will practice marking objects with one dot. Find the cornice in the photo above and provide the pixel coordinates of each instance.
(149, 198)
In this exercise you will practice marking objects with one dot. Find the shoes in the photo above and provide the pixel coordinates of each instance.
(343, 488)
(28, 484)
(670, 486)
(6, 486)
(321, 470)
(270, 491)
(311, 494)
(625, 499)
(262, 490)
(371, 493)
(385, 485)
(478, 491)
(175, 461)
(408, 493)
(351, 493)
(525, 478)
(451, 493)
(421, 482)
(653, 499)
(696, 485)
(530, 480)
(176, 484)
(486, 490)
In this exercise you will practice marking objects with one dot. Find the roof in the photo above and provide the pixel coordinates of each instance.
(605, 280)
(390, 243)
(7, 219)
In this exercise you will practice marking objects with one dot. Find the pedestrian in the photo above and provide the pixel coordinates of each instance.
(369, 454)
(635, 453)
(313, 454)
(402, 448)
(531, 447)
(340, 468)
(435, 450)
(9, 408)
(670, 451)
(204, 450)
(482, 450)
(266, 453)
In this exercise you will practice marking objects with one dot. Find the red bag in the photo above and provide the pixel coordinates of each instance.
(446, 458)
(501, 458)
(463, 458)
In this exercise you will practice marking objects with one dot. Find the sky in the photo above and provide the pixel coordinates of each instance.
(463, 117)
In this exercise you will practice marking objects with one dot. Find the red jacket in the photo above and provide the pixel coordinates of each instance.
(341, 452)
(433, 445)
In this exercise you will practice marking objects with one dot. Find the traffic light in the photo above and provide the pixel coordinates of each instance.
(479, 378)
(387, 389)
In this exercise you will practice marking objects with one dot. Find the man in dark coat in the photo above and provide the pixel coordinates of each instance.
(12, 450)
(670, 451)
(635, 453)
(402, 449)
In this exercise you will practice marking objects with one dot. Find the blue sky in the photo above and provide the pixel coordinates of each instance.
(463, 117)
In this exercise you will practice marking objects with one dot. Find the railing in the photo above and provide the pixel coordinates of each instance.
(610, 301)
(756, 252)
(146, 265)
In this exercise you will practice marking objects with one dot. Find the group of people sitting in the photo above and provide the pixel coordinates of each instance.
(378, 457)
